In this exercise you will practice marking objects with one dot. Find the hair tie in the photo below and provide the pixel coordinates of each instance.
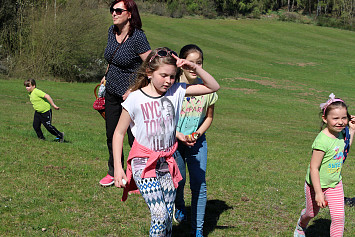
(331, 100)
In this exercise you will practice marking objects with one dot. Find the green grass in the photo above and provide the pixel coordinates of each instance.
(273, 77)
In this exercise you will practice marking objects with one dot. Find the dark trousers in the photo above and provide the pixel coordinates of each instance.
(46, 120)
(113, 110)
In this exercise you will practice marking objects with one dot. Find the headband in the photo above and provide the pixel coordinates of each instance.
(331, 100)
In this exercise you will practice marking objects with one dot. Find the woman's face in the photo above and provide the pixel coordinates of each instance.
(196, 58)
(120, 17)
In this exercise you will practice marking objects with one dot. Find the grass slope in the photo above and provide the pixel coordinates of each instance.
(273, 76)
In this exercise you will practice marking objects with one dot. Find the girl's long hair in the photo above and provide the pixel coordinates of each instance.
(148, 67)
(135, 22)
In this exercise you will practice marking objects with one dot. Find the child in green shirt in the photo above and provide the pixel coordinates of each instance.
(43, 112)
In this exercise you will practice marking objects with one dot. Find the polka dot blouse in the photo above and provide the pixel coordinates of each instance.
(125, 62)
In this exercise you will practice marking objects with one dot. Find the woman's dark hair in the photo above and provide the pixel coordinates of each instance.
(332, 106)
(184, 52)
(135, 20)
(150, 66)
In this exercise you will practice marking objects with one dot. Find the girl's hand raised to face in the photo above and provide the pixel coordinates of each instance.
(352, 122)
(185, 64)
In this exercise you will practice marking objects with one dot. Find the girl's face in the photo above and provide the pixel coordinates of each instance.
(336, 120)
(30, 88)
(118, 17)
(196, 58)
(163, 78)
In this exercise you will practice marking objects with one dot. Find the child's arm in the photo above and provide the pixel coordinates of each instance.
(209, 83)
(117, 144)
(316, 160)
(49, 99)
(352, 129)
(207, 122)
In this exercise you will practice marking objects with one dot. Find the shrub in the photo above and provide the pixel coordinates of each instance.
(67, 47)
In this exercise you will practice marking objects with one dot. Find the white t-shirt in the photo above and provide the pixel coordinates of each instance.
(154, 119)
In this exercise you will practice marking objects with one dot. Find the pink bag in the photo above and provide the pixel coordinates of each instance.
(99, 103)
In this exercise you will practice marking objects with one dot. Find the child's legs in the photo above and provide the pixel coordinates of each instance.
(196, 158)
(46, 120)
(335, 198)
(180, 160)
(159, 194)
(37, 125)
(312, 208)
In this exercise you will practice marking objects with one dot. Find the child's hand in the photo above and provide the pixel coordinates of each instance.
(320, 200)
(352, 122)
(183, 139)
(192, 138)
(185, 64)
(119, 177)
(55, 107)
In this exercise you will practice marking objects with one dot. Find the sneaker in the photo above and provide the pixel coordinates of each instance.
(107, 181)
(178, 215)
(299, 231)
(349, 201)
(62, 138)
(198, 233)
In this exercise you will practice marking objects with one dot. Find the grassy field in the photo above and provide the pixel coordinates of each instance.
(273, 77)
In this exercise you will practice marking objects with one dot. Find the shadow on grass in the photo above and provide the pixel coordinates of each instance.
(214, 209)
(57, 141)
(319, 228)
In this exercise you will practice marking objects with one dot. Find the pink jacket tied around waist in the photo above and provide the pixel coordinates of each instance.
(149, 171)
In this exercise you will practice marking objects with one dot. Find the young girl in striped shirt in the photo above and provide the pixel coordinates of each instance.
(323, 186)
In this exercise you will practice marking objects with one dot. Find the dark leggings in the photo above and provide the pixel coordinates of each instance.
(113, 110)
(45, 119)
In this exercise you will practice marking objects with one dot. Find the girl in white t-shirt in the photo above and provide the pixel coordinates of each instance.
(152, 111)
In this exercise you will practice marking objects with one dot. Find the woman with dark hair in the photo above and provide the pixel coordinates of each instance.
(127, 47)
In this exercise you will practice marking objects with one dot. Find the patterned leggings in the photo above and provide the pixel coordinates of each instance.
(159, 194)
(335, 198)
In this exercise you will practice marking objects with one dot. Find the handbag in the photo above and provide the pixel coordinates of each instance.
(99, 103)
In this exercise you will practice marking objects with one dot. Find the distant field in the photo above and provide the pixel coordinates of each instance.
(273, 77)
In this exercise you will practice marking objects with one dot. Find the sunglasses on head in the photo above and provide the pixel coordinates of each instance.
(118, 11)
(163, 53)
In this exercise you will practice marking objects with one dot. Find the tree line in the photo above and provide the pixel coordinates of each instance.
(63, 38)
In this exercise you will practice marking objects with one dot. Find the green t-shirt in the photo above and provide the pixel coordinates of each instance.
(330, 168)
(39, 103)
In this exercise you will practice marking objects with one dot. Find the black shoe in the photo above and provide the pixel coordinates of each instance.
(349, 201)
